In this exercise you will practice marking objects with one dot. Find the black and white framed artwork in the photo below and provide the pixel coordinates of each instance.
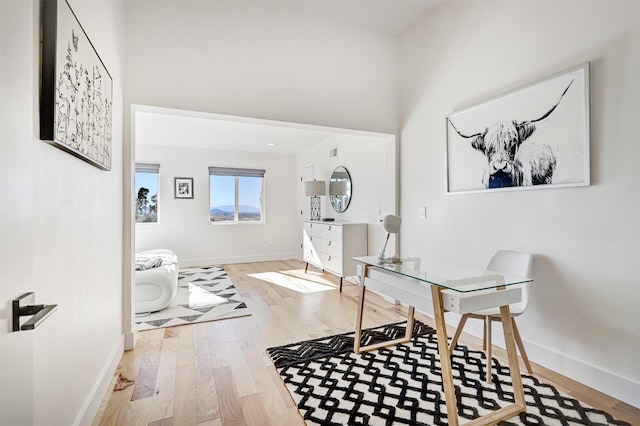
(183, 187)
(76, 88)
(533, 137)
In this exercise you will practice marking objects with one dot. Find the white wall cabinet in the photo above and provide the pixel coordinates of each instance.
(331, 245)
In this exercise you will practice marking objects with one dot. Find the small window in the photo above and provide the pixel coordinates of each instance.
(146, 192)
(236, 195)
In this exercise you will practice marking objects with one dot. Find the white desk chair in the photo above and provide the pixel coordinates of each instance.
(512, 263)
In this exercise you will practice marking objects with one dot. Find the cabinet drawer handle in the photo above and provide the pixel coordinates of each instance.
(329, 227)
(329, 243)
(310, 238)
(329, 259)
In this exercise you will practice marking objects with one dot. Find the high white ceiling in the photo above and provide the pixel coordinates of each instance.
(166, 127)
(211, 131)
(392, 17)
(189, 129)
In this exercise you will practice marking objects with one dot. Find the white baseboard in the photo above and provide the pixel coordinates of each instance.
(598, 378)
(92, 403)
(601, 379)
(130, 340)
(237, 259)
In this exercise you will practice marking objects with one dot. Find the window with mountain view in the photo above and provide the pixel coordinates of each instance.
(235, 195)
(146, 192)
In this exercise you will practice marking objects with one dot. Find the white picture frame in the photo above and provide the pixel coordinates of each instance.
(533, 137)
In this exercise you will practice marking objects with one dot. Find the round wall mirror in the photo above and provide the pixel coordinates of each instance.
(340, 189)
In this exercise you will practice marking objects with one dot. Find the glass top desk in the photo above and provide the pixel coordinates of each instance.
(429, 284)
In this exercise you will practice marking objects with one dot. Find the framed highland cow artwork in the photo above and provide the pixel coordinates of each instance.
(533, 137)
(75, 89)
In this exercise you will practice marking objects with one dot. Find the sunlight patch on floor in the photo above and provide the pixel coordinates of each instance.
(296, 280)
(199, 298)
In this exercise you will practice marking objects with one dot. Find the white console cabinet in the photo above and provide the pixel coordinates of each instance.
(331, 245)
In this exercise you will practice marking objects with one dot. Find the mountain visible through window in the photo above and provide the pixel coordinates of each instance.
(235, 197)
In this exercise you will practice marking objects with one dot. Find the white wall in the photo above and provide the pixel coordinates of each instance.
(583, 320)
(370, 160)
(18, 36)
(78, 251)
(75, 249)
(260, 60)
(184, 223)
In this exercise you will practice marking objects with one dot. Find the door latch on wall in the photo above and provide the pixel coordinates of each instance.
(24, 306)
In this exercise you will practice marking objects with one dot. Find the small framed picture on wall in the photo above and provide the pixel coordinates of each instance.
(183, 187)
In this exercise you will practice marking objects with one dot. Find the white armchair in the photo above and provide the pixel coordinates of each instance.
(156, 286)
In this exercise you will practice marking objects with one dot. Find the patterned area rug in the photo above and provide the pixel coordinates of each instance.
(402, 384)
(204, 294)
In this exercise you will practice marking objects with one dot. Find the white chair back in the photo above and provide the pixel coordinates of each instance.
(514, 263)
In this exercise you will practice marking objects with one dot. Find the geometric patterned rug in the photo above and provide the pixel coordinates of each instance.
(402, 385)
(204, 294)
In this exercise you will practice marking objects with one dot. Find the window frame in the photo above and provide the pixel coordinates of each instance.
(149, 168)
(237, 173)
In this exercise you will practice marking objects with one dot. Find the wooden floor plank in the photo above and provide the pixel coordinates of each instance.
(146, 380)
(230, 405)
(184, 410)
(138, 412)
(253, 409)
(242, 376)
(282, 390)
(214, 422)
(163, 422)
(185, 345)
(116, 410)
(206, 397)
(244, 329)
(274, 398)
(226, 361)
(164, 396)
(217, 349)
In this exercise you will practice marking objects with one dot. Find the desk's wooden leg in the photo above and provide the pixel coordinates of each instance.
(445, 359)
(357, 341)
(358, 336)
(520, 345)
(410, 320)
(519, 404)
(487, 346)
(512, 355)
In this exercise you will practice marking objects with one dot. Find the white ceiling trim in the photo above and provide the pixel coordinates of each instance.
(160, 126)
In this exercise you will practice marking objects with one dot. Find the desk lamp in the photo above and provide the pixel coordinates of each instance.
(391, 224)
(313, 189)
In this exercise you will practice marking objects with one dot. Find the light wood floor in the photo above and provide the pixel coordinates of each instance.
(218, 373)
